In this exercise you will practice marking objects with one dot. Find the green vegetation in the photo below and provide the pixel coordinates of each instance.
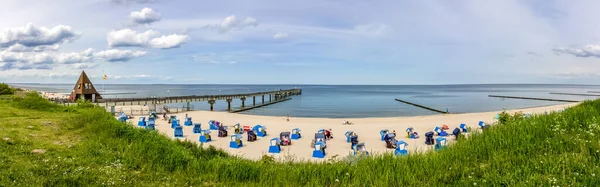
(84, 145)
(6, 90)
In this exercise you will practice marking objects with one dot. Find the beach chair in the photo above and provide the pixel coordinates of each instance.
(285, 138)
(321, 131)
(237, 129)
(175, 123)
(360, 149)
(150, 125)
(188, 121)
(440, 132)
(236, 141)
(251, 136)
(222, 132)
(497, 116)
(123, 117)
(348, 134)
(319, 138)
(152, 115)
(401, 148)
(390, 140)
(383, 133)
(197, 128)
(456, 133)
(213, 125)
(440, 143)
(260, 130)
(409, 132)
(247, 128)
(483, 125)
(319, 150)
(429, 138)
(142, 121)
(275, 145)
(464, 128)
(178, 132)
(296, 134)
(171, 118)
(353, 141)
(205, 136)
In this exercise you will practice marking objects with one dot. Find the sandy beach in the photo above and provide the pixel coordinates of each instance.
(367, 129)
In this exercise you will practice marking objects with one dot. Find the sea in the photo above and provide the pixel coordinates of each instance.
(354, 101)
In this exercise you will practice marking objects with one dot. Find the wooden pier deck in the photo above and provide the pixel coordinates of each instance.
(258, 106)
(421, 106)
(577, 94)
(271, 95)
(533, 98)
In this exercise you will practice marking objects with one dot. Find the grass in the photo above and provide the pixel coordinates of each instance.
(86, 146)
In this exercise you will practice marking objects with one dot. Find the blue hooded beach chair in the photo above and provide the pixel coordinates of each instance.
(188, 121)
(296, 134)
(142, 121)
(348, 135)
(440, 143)
(383, 133)
(401, 148)
(260, 130)
(197, 128)
(178, 132)
(463, 127)
(360, 149)
(205, 136)
(275, 145)
(236, 141)
(440, 132)
(319, 150)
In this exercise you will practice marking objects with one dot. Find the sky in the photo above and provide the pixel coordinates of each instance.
(376, 42)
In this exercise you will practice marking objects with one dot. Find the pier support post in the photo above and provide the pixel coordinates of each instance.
(253, 100)
(228, 104)
(243, 101)
(263, 98)
(270, 97)
(212, 103)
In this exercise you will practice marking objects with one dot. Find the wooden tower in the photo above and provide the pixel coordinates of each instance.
(84, 89)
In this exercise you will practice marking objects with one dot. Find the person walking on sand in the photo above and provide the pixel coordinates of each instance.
(288, 117)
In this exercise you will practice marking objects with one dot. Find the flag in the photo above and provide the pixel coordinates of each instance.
(104, 78)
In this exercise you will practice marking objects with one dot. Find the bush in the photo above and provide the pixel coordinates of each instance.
(33, 100)
(6, 90)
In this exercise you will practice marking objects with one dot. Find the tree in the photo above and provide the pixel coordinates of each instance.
(6, 90)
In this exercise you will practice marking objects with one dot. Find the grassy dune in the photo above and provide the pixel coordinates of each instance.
(84, 145)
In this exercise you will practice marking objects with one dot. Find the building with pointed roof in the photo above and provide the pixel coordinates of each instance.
(84, 89)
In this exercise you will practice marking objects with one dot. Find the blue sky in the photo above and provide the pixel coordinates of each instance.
(301, 42)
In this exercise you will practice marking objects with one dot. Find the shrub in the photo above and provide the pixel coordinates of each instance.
(6, 90)
(33, 100)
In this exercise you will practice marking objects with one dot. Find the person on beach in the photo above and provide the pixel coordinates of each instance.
(165, 116)
(288, 117)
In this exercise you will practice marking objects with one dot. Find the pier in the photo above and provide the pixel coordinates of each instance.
(421, 106)
(258, 106)
(577, 94)
(533, 98)
(211, 99)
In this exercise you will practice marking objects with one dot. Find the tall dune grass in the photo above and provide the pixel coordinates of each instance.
(557, 149)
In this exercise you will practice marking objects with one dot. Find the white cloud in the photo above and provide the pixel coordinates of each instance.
(145, 16)
(170, 41)
(149, 38)
(585, 51)
(84, 65)
(232, 23)
(280, 35)
(114, 55)
(33, 36)
(128, 38)
(40, 60)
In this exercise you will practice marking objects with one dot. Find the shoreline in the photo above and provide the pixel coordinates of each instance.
(367, 130)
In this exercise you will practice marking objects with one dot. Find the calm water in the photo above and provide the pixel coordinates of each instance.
(356, 101)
